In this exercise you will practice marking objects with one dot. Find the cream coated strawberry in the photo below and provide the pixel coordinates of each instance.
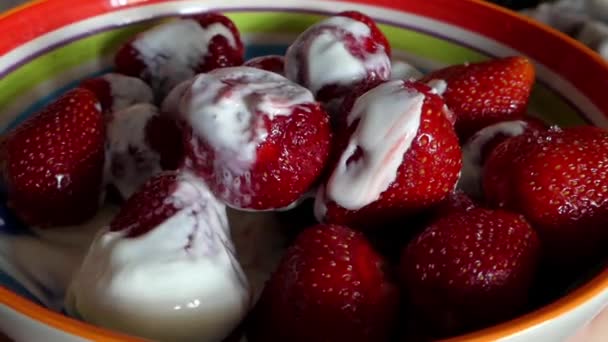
(140, 144)
(481, 94)
(165, 269)
(555, 178)
(469, 269)
(399, 155)
(258, 139)
(336, 54)
(116, 91)
(177, 50)
(272, 63)
(54, 162)
(330, 286)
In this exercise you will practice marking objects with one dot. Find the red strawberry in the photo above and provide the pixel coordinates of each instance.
(555, 178)
(481, 94)
(477, 149)
(330, 286)
(54, 162)
(470, 269)
(116, 91)
(388, 169)
(259, 140)
(377, 36)
(350, 39)
(271, 63)
(140, 144)
(178, 49)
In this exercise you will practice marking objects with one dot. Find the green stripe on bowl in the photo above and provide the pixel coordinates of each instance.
(422, 45)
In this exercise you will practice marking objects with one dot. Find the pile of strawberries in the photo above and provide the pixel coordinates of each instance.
(480, 200)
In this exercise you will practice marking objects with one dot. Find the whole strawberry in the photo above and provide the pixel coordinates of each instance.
(481, 94)
(330, 286)
(555, 178)
(397, 156)
(470, 269)
(477, 149)
(259, 140)
(54, 162)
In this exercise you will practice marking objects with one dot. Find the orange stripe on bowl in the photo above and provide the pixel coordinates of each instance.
(59, 321)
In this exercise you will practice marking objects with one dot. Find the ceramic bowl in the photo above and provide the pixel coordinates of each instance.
(49, 45)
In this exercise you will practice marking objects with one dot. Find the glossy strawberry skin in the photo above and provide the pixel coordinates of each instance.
(470, 269)
(428, 173)
(330, 286)
(54, 162)
(102, 89)
(271, 63)
(287, 163)
(555, 180)
(481, 94)
(147, 208)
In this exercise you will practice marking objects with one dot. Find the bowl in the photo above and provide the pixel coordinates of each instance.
(50, 45)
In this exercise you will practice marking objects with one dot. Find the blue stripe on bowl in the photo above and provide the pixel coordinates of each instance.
(14, 286)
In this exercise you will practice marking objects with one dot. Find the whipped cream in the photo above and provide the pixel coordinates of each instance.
(131, 160)
(472, 164)
(228, 109)
(401, 70)
(260, 244)
(127, 91)
(45, 261)
(178, 282)
(173, 51)
(320, 56)
(389, 117)
(438, 86)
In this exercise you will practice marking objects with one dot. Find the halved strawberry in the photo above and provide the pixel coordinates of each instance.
(470, 269)
(176, 50)
(116, 91)
(481, 94)
(258, 139)
(555, 178)
(398, 157)
(54, 162)
(330, 286)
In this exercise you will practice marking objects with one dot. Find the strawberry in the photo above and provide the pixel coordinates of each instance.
(554, 178)
(477, 149)
(350, 38)
(54, 162)
(377, 37)
(458, 201)
(259, 140)
(329, 286)
(481, 94)
(412, 165)
(470, 269)
(116, 91)
(140, 144)
(178, 49)
(272, 63)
